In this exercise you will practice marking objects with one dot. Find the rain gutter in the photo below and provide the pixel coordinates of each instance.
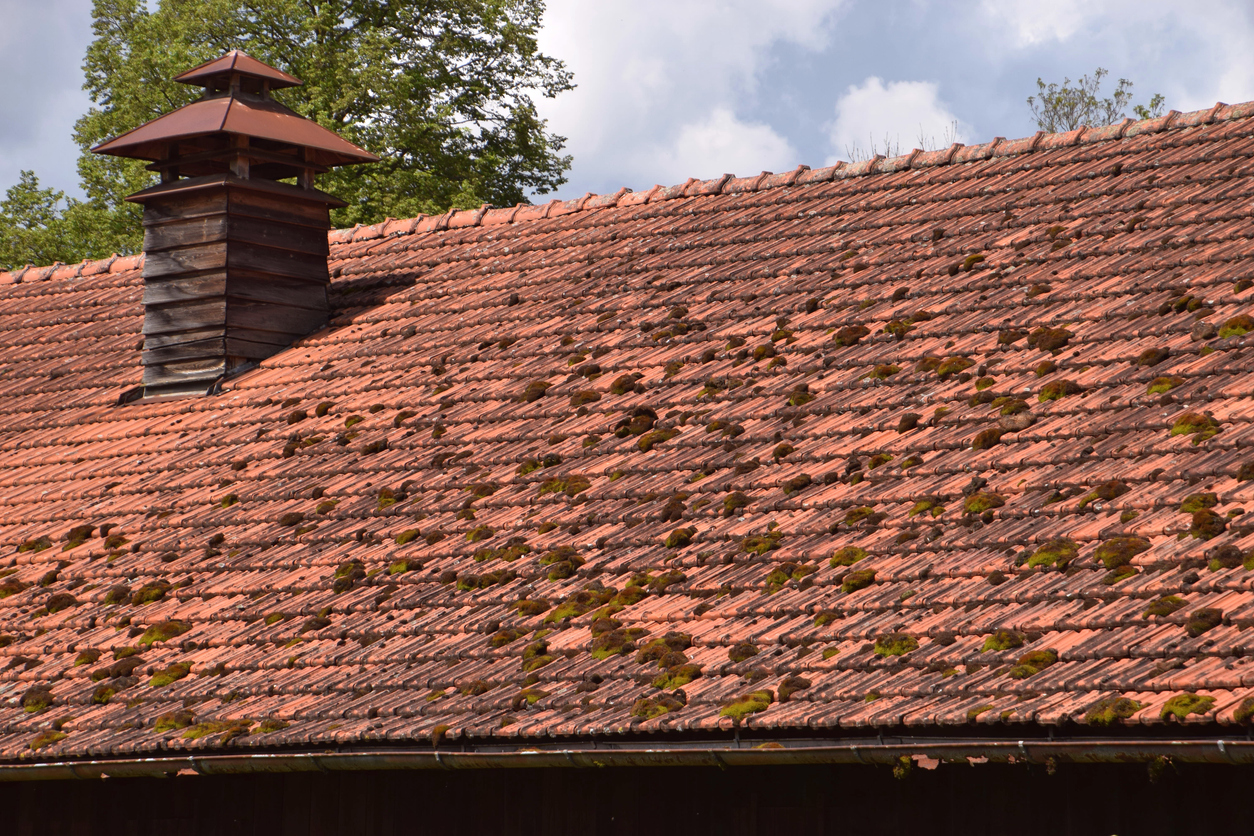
(721, 754)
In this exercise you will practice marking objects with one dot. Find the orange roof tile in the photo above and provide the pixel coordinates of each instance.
(960, 438)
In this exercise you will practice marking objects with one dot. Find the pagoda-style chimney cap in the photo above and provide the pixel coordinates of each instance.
(212, 74)
(236, 117)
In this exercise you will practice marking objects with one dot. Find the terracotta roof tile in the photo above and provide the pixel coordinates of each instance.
(764, 394)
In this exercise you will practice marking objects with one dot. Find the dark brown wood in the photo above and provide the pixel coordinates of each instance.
(234, 271)
(850, 800)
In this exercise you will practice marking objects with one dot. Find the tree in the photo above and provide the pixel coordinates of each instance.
(1064, 107)
(441, 90)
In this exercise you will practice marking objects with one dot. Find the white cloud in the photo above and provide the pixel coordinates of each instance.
(658, 78)
(898, 115)
(1031, 24)
(716, 145)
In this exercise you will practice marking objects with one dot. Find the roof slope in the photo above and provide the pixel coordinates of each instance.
(902, 415)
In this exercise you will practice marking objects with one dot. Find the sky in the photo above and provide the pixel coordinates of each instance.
(672, 89)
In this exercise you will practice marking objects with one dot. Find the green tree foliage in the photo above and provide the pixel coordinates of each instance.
(442, 90)
(1068, 106)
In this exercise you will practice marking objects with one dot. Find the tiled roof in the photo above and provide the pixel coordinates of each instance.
(956, 439)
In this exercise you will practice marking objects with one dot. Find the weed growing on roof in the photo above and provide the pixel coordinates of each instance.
(571, 485)
(1032, 663)
(1180, 706)
(1049, 339)
(741, 707)
(37, 544)
(882, 372)
(1002, 640)
(1164, 606)
(171, 674)
(895, 644)
(1203, 620)
(679, 538)
(850, 335)
(648, 708)
(46, 738)
(1198, 501)
(926, 505)
(860, 579)
(987, 438)
(1058, 553)
(479, 532)
(1106, 712)
(163, 632)
(760, 544)
(1105, 492)
(1200, 426)
(534, 391)
(952, 365)
(1237, 326)
(847, 556)
(1206, 524)
(786, 572)
(1058, 389)
(36, 699)
(982, 501)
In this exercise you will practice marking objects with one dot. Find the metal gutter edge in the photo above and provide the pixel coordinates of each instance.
(966, 751)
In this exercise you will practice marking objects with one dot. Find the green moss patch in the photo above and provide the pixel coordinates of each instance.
(981, 501)
(1058, 389)
(741, 707)
(1049, 339)
(1196, 424)
(1119, 551)
(1032, 663)
(1164, 384)
(1105, 492)
(648, 708)
(1057, 553)
(171, 674)
(742, 651)
(858, 579)
(895, 644)
(163, 632)
(1237, 326)
(1203, 620)
(1108, 711)
(847, 556)
(1180, 706)
(1002, 640)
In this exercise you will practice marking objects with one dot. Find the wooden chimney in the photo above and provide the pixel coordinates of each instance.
(235, 259)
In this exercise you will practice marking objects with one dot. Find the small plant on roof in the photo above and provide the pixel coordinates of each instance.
(1203, 620)
(982, 501)
(648, 708)
(1206, 524)
(987, 438)
(534, 391)
(850, 335)
(847, 556)
(733, 502)
(895, 644)
(47, 738)
(952, 365)
(653, 438)
(1119, 550)
(1032, 663)
(1058, 389)
(479, 532)
(1196, 424)
(163, 632)
(1237, 326)
(1164, 606)
(1002, 640)
(1180, 706)
(171, 674)
(1057, 553)
(1105, 492)
(1049, 339)
(856, 580)
(36, 699)
(1108, 711)
(1195, 502)
(1162, 385)
(796, 484)
(679, 538)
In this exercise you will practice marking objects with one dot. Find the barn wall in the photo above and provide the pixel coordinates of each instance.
(766, 801)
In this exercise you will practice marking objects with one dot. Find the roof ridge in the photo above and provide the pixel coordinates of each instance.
(487, 215)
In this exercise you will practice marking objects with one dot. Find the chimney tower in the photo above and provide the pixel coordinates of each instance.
(235, 261)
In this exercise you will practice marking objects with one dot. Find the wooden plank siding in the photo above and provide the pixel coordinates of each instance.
(846, 800)
(232, 273)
